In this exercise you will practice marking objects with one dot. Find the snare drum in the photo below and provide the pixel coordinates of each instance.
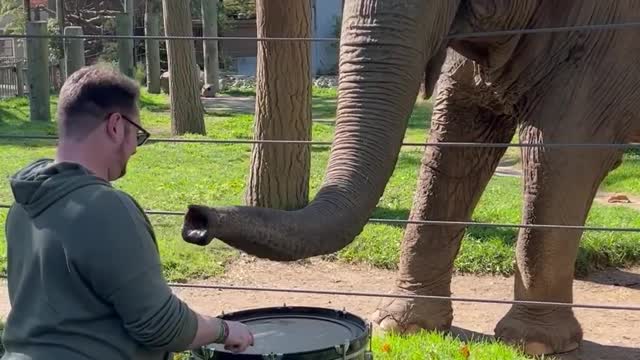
(304, 333)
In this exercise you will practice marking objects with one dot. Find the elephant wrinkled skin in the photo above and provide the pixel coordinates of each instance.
(561, 87)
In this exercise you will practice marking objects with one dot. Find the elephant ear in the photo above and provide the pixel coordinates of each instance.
(432, 72)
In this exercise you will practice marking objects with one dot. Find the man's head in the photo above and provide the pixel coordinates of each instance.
(98, 115)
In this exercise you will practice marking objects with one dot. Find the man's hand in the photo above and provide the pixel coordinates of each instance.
(239, 337)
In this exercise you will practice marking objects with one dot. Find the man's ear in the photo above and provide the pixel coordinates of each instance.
(114, 128)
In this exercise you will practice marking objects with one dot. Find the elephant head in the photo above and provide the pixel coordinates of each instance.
(385, 46)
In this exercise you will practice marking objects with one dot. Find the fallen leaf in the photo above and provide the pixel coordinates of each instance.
(386, 348)
(465, 351)
(619, 198)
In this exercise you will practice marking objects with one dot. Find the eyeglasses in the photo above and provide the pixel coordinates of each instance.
(142, 135)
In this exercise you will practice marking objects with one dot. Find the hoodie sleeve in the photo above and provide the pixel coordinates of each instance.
(121, 263)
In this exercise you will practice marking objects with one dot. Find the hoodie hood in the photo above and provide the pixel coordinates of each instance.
(43, 182)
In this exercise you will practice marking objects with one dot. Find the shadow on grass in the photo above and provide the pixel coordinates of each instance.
(320, 148)
(421, 116)
(220, 113)
(625, 173)
(614, 277)
(239, 92)
(153, 106)
(14, 122)
(635, 152)
(15, 126)
(323, 108)
(324, 111)
(28, 143)
(9, 117)
(508, 236)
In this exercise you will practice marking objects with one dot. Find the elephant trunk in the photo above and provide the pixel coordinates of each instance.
(384, 48)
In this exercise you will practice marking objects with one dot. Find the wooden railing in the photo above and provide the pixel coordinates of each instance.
(13, 78)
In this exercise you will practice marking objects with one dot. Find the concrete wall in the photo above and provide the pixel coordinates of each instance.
(324, 54)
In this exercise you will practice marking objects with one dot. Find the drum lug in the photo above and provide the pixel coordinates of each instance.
(272, 356)
(343, 349)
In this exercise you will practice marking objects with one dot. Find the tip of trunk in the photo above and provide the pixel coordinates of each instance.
(197, 222)
(276, 235)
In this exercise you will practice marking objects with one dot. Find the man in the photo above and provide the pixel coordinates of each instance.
(85, 278)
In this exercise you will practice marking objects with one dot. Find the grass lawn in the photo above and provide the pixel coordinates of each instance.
(169, 176)
(166, 176)
(433, 346)
(428, 345)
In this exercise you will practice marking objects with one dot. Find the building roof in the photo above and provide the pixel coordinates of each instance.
(35, 3)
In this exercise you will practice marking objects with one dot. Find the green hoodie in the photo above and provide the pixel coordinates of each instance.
(84, 273)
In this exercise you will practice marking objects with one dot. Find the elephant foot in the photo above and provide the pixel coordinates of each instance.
(407, 316)
(540, 332)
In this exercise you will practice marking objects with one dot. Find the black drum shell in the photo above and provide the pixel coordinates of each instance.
(356, 345)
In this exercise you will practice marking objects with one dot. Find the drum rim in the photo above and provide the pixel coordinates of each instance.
(341, 314)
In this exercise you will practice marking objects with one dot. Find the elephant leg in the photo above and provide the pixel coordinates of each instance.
(560, 184)
(450, 184)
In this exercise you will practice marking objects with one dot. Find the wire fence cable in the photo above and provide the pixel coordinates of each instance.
(373, 220)
(329, 143)
(493, 33)
(444, 223)
(401, 296)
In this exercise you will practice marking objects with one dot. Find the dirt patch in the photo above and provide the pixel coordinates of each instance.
(608, 334)
(508, 171)
(602, 197)
(230, 104)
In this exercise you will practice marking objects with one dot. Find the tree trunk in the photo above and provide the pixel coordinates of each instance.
(38, 71)
(152, 47)
(74, 50)
(125, 46)
(376, 95)
(187, 113)
(279, 175)
(210, 47)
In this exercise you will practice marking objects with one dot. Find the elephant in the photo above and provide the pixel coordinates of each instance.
(548, 87)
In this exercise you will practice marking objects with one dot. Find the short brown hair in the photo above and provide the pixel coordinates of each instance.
(89, 95)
